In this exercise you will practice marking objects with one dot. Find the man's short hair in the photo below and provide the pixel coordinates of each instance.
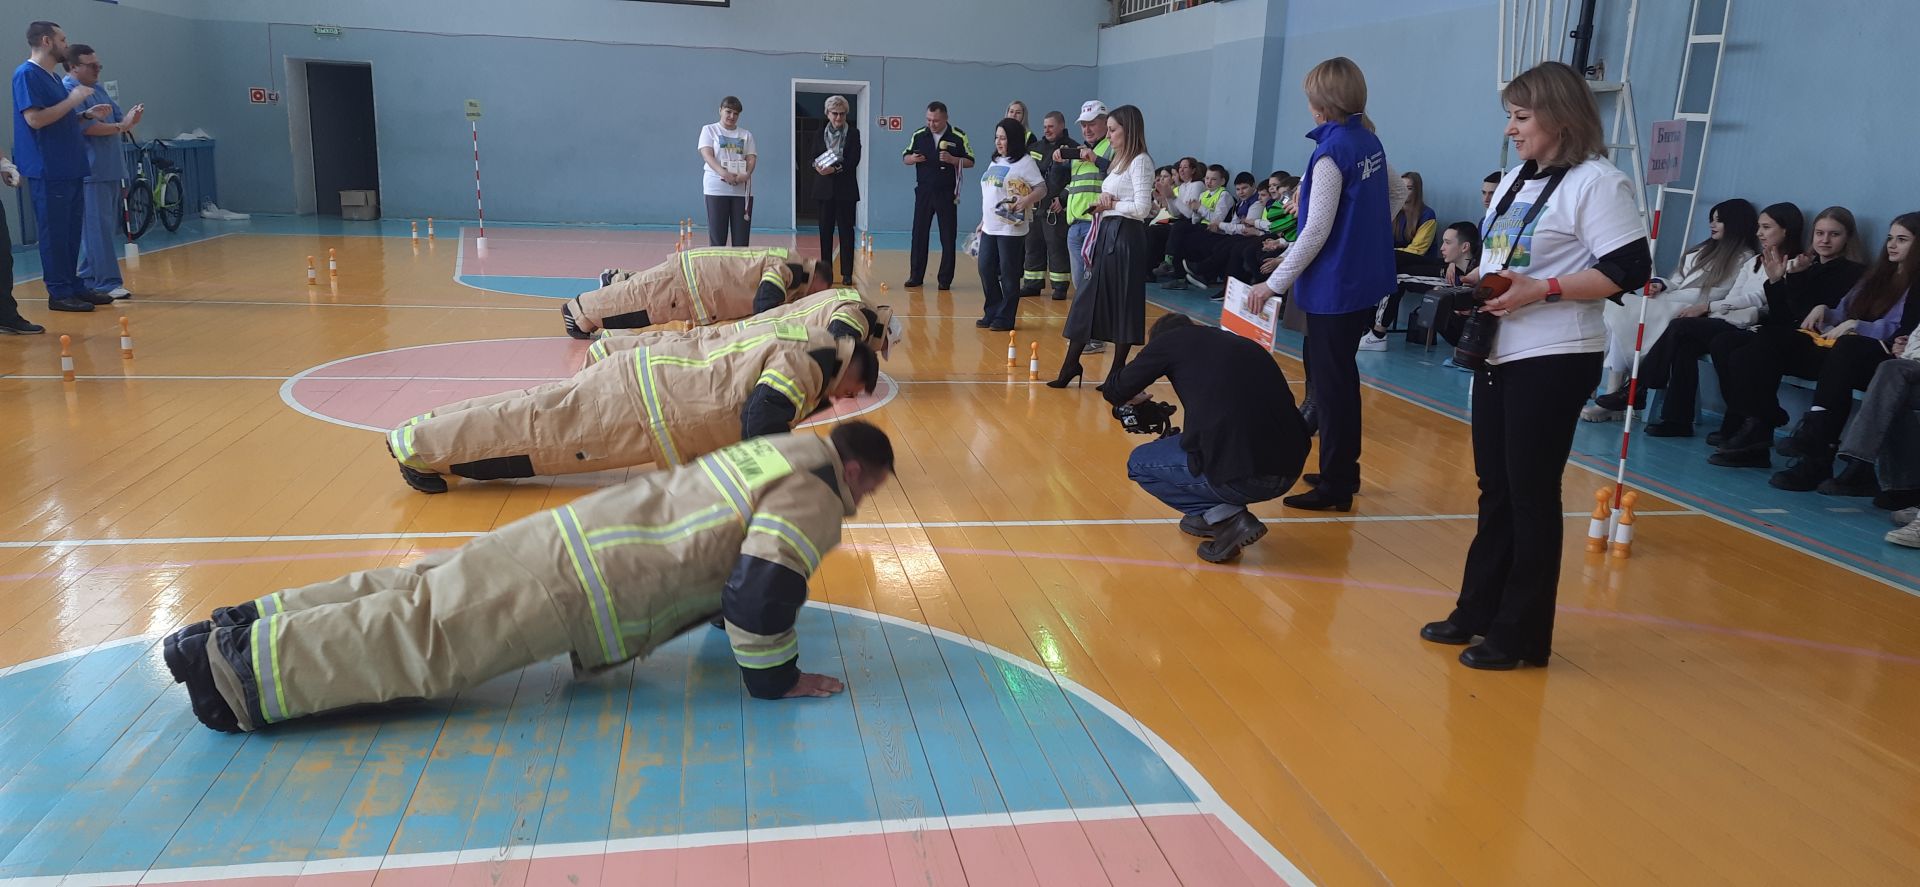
(862, 442)
(1280, 174)
(1245, 178)
(74, 52)
(869, 366)
(1219, 169)
(937, 106)
(1166, 322)
(1493, 178)
(1056, 117)
(39, 31)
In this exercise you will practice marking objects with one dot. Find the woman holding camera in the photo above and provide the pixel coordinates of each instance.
(1565, 234)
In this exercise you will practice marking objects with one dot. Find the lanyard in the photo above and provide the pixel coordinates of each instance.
(1533, 212)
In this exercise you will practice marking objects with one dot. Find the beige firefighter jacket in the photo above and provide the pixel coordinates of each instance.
(699, 286)
(835, 311)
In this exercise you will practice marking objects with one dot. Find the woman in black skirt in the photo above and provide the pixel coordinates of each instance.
(1114, 306)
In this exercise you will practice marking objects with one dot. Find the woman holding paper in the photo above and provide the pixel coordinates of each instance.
(838, 186)
(727, 181)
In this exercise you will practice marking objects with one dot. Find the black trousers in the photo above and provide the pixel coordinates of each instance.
(1179, 231)
(1673, 363)
(726, 217)
(1754, 371)
(1524, 414)
(1046, 257)
(1157, 244)
(838, 214)
(9, 309)
(927, 208)
(1333, 380)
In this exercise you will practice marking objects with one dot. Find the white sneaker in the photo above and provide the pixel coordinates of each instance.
(1905, 516)
(1597, 413)
(1373, 342)
(1095, 347)
(120, 292)
(1908, 535)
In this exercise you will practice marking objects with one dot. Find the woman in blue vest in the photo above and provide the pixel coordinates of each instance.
(1339, 269)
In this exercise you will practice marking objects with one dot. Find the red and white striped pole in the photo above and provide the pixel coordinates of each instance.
(1633, 378)
(480, 245)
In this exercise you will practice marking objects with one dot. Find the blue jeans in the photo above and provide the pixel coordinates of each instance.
(1077, 238)
(1002, 258)
(59, 209)
(101, 232)
(1160, 468)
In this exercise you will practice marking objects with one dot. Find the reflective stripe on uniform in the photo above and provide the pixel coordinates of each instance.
(730, 485)
(586, 569)
(1035, 275)
(597, 352)
(264, 644)
(650, 401)
(665, 534)
(789, 389)
(785, 531)
(765, 659)
(267, 606)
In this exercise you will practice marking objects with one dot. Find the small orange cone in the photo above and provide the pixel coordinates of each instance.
(66, 358)
(333, 265)
(1597, 528)
(1033, 361)
(1623, 530)
(312, 278)
(1013, 350)
(126, 340)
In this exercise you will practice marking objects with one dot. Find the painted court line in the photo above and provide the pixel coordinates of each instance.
(149, 252)
(145, 301)
(851, 525)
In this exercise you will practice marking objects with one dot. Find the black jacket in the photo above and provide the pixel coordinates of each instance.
(845, 184)
(1056, 174)
(1792, 297)
(1239, 417)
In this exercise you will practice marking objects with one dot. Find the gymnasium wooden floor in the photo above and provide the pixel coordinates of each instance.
(1046, 685)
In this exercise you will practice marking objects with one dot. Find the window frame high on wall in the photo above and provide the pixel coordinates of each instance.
(1125, 11)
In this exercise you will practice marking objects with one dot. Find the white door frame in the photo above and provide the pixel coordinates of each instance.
(857, 92)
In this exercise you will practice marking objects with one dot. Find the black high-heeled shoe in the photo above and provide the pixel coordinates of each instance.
(1068, 377)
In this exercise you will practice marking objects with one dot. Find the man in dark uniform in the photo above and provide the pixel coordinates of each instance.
(937, 152)
(1047, 236)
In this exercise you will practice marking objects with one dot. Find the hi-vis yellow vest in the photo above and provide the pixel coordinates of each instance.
(1084, 187)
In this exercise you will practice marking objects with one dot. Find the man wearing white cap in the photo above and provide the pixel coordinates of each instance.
(1088, 169)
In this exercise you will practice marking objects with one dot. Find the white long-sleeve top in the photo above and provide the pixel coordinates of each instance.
(1186, 200)
(1254, 220)
(1323, 203)
(1745, 299)
(1132, 188)
(1690, 287)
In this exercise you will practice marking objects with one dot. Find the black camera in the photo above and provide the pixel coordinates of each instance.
(1147, 417)
(1479, 326)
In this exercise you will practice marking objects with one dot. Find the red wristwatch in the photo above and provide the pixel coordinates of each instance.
(1553, 289)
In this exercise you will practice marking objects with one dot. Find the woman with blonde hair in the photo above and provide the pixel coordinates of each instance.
(1339, 268)
(1565, 234)
(1114, 307)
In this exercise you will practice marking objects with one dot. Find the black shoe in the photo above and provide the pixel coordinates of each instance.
(719, 622)
(1193, 277)
(982, 323)
(1318, 499)
(1814, 434)
(1856, 478)
(1750, 458)
(572, 327)
(1067, 375)
(913, 284)
(1220, 296)
(1001, 329)
(1617, 400)
(1059, 295)
(1752, 435)
(1729, 424)
(177, 664)
(1803, 475)
(78, 306)
(1175, 284)
(187, 660)
(238, 616)
(1230, 536)
(1444, 632)
(606, 278)
(1670, 429)
(1197, 525)
(1487, 658)
(20, 326)
(424, 481)
(846, 281)
(1028, 292)
(1894, 500)
(1311, 478)
(1716, 438)
(946, 286)
(92, 298)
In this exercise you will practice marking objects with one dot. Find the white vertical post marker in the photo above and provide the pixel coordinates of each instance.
(473, 121)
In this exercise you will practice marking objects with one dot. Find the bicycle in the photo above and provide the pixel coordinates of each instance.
(164, 197)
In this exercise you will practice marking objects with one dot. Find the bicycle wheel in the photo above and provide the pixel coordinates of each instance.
(172, 205)
(139, 209)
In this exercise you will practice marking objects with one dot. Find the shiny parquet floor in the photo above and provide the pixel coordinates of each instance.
(1719, 708)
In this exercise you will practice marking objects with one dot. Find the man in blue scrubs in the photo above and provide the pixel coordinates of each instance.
(50, 148)
(104, 227)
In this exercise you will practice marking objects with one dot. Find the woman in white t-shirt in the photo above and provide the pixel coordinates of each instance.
(1011, 185)
(1566, 234)
(727, 178)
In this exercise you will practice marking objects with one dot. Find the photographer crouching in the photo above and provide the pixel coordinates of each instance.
(1244, 441)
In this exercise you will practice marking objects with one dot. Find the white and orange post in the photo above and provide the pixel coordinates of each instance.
(479, 207)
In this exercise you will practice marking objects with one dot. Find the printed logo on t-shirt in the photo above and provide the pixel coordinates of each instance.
(1372, 165)
(1507, 244)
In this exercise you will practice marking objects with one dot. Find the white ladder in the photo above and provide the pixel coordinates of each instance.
(1693, 104)
(1536, 31)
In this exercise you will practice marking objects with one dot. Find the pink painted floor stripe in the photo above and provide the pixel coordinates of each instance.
(1062, 853)
(582, 253)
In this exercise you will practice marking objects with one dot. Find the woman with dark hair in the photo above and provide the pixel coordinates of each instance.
(1706, 276)
(1566, 235)
(1011, 185)
(1114, 308)
(837, 189)
(1839, 348)
(727, 150)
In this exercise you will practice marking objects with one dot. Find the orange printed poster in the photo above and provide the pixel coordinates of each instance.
(1238, 319)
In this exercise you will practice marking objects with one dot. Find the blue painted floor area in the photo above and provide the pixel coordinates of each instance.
(116, 775)
(1850, 531)
(547, 287)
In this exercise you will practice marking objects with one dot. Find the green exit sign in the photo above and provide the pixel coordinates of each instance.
(326, 31)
